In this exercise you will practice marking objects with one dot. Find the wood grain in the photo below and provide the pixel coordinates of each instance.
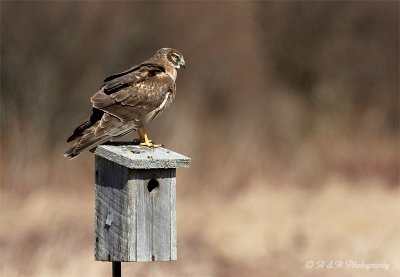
(133, 223)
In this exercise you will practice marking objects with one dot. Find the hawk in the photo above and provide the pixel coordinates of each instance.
(129, 100)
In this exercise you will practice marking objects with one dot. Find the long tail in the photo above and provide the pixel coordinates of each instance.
(97, 129)
(85, 136)
(90, 137)
(88, 141)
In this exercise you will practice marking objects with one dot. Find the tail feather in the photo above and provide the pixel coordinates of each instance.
(78, 132)
(99, 128)
(87, 141)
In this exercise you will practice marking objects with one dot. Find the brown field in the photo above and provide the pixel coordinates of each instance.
(257, 225)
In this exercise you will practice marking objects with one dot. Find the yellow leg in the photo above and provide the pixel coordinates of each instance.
(141, 132)
(145, 141)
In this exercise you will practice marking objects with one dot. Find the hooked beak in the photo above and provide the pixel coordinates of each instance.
(182, 63)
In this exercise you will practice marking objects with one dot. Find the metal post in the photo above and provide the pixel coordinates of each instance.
(116, 269)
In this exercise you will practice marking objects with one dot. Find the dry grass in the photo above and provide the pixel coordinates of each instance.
(265, 230)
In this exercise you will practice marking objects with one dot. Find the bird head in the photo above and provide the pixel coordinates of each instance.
(172, 56)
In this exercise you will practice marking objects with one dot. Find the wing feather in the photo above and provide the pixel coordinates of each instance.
(135, 75)
(136, 100)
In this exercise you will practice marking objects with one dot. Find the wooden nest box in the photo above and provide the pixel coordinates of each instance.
(135, 200)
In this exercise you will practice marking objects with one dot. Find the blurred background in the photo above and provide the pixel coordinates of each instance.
(289, 111)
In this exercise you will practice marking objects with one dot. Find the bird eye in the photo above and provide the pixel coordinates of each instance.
(175, 57)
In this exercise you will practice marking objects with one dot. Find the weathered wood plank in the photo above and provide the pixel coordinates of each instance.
(143, 219)
(132, 223)
(113, 212)
(133, 156)
(161, 220)
(174, 248)
(154, 222)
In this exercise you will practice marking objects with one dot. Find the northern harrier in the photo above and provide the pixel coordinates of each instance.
(129, 100)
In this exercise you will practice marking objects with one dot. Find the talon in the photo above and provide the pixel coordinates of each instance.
(144, 139)
(150, 144)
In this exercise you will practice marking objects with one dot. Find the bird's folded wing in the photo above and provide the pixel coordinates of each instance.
(133, 101)
(136, 74)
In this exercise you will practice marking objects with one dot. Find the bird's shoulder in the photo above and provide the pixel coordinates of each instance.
(147, 82)
(135, 75)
